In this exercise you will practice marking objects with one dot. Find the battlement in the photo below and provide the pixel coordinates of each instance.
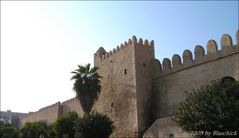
(53, 106)
(102, 54)
(200, 56)
(50, 107)
(72, 100)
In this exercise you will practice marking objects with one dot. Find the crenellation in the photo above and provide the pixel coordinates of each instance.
(129, 42)
(226, 41)
(151, 43)
(211, 46)
(140, 41)
(114, 51)
(176, 61)
(199, 52)
(117, 48)
(48, 107)
(187, 56)
(125, 43)
(146, 42)
(166, 64)
(102, 54)
(201, 56)
(69, 101)
(121, 46)
(134, 39)
(157, 66)
(48, 113)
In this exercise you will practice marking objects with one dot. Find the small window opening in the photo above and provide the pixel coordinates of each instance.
(125, 71)
(108, 76)
(144, 65)
(170, 134)
(112, 105)
(148, 100)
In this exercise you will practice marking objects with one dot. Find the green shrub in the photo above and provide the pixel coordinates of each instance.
(213, 107)
(8, 132)
(33, 130)
(64, 125)
(93, 125)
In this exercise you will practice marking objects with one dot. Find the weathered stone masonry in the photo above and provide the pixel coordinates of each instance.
(137, 89)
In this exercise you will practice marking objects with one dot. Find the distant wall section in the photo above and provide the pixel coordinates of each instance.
(72, 105)
(48, 114)
(52, 112)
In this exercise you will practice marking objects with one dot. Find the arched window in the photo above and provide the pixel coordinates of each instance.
(227, 79)
(228, 82)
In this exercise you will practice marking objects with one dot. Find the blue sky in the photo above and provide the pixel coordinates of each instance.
(43, 41)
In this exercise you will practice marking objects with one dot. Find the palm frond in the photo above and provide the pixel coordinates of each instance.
(87, 85)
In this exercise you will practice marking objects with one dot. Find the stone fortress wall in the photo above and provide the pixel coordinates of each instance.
(171, 80)
(52, 112)
(71, 105)
(137, 89)
(48, 114)
(126, 86)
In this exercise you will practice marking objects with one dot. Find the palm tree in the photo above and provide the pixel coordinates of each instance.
(87, 86)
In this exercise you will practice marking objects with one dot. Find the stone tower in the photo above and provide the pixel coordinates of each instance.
(126, 86)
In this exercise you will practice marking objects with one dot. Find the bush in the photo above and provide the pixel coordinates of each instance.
(93, 125)
(33, 130)
(8, 132)
(214, 107)
(64, 125)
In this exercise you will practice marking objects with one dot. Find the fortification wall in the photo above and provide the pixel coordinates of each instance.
(171, 80)
(72, 105)
(126, 85)
(118, 93)
(137, 89)
(48, 114)
(144, 54)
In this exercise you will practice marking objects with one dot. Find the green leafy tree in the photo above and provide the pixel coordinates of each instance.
(94, 125)
(213, 107)
(48, 127)
(87, 86)
(8, 131)
(64, 125)
(33, 130)
(1, 123)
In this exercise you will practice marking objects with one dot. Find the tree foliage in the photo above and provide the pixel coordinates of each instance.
(64, 125)
(33, 130)
(87, 85)
(8, 131)
(213, 107)
(94, 125)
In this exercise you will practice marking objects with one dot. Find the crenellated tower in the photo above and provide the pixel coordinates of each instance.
(126, 85)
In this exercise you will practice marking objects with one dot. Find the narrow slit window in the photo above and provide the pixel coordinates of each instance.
(125, 71)
(148, 100)
(112, 105)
